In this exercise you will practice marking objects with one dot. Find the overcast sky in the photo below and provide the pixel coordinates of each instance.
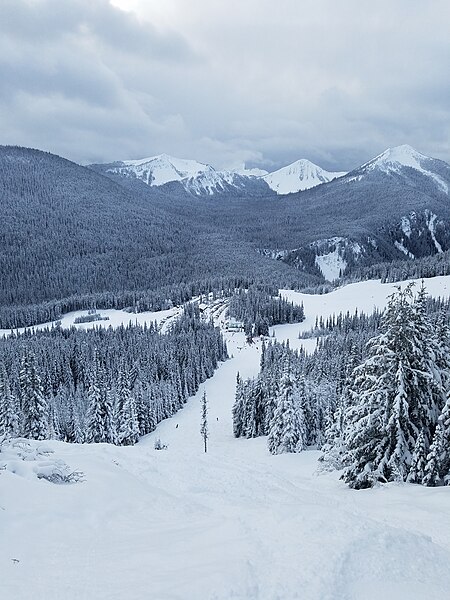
(226, 81)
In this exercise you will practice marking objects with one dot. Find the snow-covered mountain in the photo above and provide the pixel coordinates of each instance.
(158, 170)
(195, 177)
(202, 179)
(300, 175)
(404, 162)
(401, 164)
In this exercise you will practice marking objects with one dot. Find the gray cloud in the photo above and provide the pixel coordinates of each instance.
(225, 82)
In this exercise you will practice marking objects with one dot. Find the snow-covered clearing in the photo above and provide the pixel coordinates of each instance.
(178, 524)
(331, 265)
(110, 317)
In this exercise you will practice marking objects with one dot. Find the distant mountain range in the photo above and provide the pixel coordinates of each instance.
(201, 179)
(195, 178)
(68, 230)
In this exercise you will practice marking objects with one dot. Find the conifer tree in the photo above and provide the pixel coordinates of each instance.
(126, 415)
(444, 420)
(238, 410)
(128, 428)
(100, 417)
(389, 409)
(34, 405)
(9, 418)
(432, 366)
(286, 430)
(204, 422)
(433, 466)
(333, 450)
(419, 458)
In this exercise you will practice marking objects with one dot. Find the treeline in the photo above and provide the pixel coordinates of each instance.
(400, 270)
(261, 307)
(103, 385)
(358, 321)
(376, 400)
(12, 317)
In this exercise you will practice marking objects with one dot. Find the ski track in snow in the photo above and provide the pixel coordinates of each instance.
(235, 523)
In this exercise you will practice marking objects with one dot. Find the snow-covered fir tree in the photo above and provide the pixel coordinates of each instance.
(100, 416)
(238, 410)
(204, 431)
(287, 431)
(397, 392)
(444, 421)
(9, 418)
(418, 461)
(34, 405)
(433, 466)
(126, 416)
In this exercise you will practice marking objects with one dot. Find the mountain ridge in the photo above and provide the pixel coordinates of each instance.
(198, 179)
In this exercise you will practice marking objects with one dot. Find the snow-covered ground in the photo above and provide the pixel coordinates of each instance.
(110, 317)
(235, 523)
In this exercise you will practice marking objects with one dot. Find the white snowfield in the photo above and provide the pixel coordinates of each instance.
(235, 523)
(393, 159)
(111, 317)
(300, 175)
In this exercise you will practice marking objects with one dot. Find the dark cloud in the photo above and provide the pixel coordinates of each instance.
(225, 82)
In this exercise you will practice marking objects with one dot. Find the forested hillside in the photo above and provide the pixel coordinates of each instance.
(72, 238)
(68, 232)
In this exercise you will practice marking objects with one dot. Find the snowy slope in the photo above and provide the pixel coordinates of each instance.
(196, 178)
(161, 169)
(394, 160)
(234, 523)
(200, 178)
(300, 175)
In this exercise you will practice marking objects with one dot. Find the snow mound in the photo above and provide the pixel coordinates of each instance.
(30, 460)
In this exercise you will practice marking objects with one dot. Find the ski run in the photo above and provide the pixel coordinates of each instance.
(234, 523)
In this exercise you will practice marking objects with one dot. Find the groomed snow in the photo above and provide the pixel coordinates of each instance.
(236, 523)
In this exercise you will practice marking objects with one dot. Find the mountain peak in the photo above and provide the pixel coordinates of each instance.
(298, 176)
(394, 160)
(404, 155)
